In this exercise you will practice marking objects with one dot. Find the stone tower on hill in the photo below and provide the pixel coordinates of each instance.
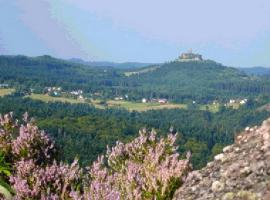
(241, 172)
(189, 56)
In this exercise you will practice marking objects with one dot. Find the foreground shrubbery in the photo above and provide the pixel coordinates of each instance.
(146, 168)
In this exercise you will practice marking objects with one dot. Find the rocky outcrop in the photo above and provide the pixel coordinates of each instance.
(241, 172)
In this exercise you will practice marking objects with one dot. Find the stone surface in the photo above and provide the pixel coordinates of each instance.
(241, 172)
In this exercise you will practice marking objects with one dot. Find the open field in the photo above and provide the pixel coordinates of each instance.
(47, 98)
(234, 105)
(6, 91)
(210, 107)
(131, 106)
(111, 103)
(143, 106)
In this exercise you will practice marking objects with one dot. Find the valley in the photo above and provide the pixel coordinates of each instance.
(92, 107)
(134, 100)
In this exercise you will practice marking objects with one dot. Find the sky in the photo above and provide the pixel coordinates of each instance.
(232, 32)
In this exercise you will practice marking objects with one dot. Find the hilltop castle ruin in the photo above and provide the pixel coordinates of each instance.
(190, 56)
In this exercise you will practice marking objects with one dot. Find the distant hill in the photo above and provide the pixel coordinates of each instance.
(41, 71)
(201, 80)
(259, 71)
(124, 65)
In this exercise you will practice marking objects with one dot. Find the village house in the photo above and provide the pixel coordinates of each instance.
(144, 100)
(76, 92)
(97, 94)
(215, 102)
(118, 98)
(161, 101)
(243, 101)
(232, 101)
(3, 85)
(52, 89)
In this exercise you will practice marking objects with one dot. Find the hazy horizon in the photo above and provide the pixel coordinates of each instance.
(235, 33)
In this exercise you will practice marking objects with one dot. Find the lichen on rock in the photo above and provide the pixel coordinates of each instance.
(241, 172)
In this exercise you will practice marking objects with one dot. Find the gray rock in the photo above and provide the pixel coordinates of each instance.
(242, 171)
(217, 186)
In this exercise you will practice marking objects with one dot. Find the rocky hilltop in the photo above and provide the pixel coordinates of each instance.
(241, 172)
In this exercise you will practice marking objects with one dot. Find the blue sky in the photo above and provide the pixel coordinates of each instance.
(233, 32)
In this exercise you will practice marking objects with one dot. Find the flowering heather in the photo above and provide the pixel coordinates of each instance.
(24, 142)
(7, 126)
(146, 168)
(54, 181)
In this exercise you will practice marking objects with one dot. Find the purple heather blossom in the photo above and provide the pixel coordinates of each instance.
(146, 168)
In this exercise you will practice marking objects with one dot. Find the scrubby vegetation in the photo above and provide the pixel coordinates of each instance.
(146, 168)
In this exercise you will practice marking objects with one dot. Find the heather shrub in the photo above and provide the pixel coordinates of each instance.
(7, 127)
(55, 181)
(25, 141)
(146, 168)
(30, 153)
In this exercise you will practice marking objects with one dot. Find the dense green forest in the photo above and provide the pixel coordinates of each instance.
(24, 73)
(203, 81)
(84, 131)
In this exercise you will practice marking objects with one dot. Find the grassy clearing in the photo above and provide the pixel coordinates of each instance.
(234, 105)
(143, 106)
(131, 106)
(6, 91)
(210, 107)
(215, 107)
(47, 98)
(111, 103)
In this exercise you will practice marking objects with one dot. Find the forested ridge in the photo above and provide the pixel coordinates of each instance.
(203, 81)
(38, 72)
(199, 80)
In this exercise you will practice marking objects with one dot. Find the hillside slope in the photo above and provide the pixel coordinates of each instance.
(45, 70)
(198, 80)
(241, 172)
